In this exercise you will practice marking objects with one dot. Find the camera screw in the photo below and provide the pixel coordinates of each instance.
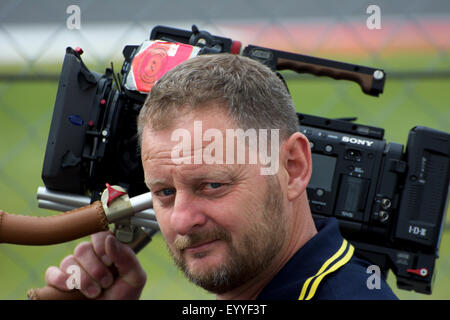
(320, 192)
(386, 203)
(378, 74)
(384, 216)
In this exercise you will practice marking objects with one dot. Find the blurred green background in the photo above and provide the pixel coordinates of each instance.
(412, 46)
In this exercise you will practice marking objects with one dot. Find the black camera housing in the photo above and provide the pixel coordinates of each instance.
(93, 133)
(390, 204)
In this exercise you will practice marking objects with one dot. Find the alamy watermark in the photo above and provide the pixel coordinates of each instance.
(223, 149)
(73, 20)
(374, 280)
(374, 20)
(74, 280)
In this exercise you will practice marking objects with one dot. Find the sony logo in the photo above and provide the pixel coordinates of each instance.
(357, 141)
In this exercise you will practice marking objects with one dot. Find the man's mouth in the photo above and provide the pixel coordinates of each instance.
(200, 246)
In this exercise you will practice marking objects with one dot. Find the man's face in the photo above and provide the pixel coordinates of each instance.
(223, 223)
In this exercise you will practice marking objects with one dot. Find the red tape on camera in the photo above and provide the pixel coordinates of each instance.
(153, 60)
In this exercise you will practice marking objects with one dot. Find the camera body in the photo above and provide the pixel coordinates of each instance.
(390, 203)
(92, 136)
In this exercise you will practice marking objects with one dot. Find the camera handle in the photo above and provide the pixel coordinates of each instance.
(204, 40)
(134, 225)
(371, 80)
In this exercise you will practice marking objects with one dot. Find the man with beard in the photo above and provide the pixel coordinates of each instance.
(231, 227)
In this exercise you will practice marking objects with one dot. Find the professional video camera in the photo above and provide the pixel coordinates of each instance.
(390, 204)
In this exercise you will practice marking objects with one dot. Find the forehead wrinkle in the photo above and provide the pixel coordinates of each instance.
(204, 170)
(191, 173)
(186, 174)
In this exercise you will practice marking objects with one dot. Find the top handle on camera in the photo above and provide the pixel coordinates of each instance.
(371, 80)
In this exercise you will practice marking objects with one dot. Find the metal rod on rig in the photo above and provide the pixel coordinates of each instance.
(51, 205)
(68, 199)
(141, 202)
(148, 214)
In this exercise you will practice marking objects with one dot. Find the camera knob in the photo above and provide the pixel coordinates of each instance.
(383, 216)
(386, 203)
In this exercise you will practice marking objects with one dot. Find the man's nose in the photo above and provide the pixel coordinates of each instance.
(186, 214)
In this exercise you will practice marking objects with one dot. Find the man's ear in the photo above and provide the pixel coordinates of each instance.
(297, 163)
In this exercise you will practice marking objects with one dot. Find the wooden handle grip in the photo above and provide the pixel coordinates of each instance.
(68, 226)
(364, 80)
(51, 293)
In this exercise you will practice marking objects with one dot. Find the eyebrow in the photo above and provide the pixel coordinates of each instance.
(205, 175)
(154, 182)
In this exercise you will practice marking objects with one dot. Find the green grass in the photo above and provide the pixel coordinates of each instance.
(25, 115)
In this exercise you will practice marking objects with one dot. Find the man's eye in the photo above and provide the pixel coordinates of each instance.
(214, 185)
(165, 192)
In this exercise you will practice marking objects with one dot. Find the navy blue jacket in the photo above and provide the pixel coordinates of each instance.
(325, 269)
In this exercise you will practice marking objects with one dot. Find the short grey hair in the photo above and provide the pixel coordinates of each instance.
(249, 92)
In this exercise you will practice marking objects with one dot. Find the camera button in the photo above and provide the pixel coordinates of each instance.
(328, 148)
(386, 203)
(320, 192)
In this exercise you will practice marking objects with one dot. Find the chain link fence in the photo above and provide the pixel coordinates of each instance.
(409, 40)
